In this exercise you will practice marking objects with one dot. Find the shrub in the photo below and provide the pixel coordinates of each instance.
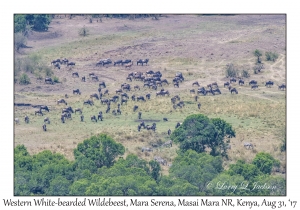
(48, 72)
(19, 41)
(24, 79)
(231, 71)
(245, 73)
(271, 56)
(83, 31)
(55, 79)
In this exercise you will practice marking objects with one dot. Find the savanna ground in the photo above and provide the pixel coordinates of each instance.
(198, 46)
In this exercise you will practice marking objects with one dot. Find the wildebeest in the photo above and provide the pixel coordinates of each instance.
(282, 87)
(241, 82)
(135, 108)
(83, 79)
(95, 78)
(269, 83)
(196, 83)
(148, 96)
(124, 95)
(169, 132)
(216, 91)
(123, 101)
(167, 143)
(56, 65)
(62, 101)
(93, 118)
(140, 115)
(128, 65)
(176, 84)
(75, 74)
(17, 121)
(47, 120)
(253, 82)
(192, 91)
(95, 95)
(248, 145)
(44, 108)
(90, 102)
(142, 61)
(136, 87)
(226, 84)
(164, 81)
(26, 119)
(254, 87)
(44, 127)
(100, 117)
(78, 110)
(118, 62)
(199, 105)
(139, 128)
(62, 118)
(165, 119)
(177, 125)
(142, 124)
(39, 112)
(64, 61)
(147, 149)
(66, 96)
(162, 93)
(48, 80)
(196, 98)
(76, 91)
(71, 64)
(102, 84)
(81, 118)
(126, 61)
(67, 110)
(140, 98)
(119, 91)
(55, 61)
(234, 90)
(232, 80)
(108, 109)
(119, 111)
(129, 78)
(153, 127)
(133, 97)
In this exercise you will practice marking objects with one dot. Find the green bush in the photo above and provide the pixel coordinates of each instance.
(24, 79)
(19, 41)
(83, 31)
(271, 56)
(245, 73)
(231, 71)
(55, 79)
(48, 72)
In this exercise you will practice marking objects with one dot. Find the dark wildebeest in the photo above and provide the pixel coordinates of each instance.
(26, 119)
(282, 87)
(91, 74)
(232, 80)
(196, 98)
(226, 84)
(118, 62)
(75, 74)
(106, 92)
(142, 61)
(165, 119)
(253, 82)
(76, 91)
(95, 95)
(140, 98)
(90, 102)
(123, 101)
(129, 78)
(241, 82)
(93, 118)
(216, 91)
(234, 90)
(83, 79)
(126, 61)
(199, 105)
(169, 132)
(102, 84)
(119, 91)
(147, 149)
(66, 96)
(269, 83)
(48, 80)
(70, 64)
(81, 118)
(62, 118)
(119, 111)
(124, 95)
(64, 61)
(95, 78)
(55, 61)
(135, 108)
(176, 84)
(192, 91)
(177, 125)
(99, 90)
(62, 101)
(136, 87)
(254, 87)
(215, 84)
(139, 128)
(44, 108)
(67, 110)
(164, 81)
(47, 120)
(78, 110)
(107, 110)
(196, 83)
(44, 127)
(114, 112)
(140, 115)
(56, 65)
(148, 96)
(248, 145)
(100, 117)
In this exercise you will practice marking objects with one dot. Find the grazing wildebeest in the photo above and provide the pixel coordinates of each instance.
(216, 91)
(67, 110)
(56, 65)
(215, 84)
(269, 83)
(70, 64)
(66, 96)
(47, 120)
(44, 127)
(136, 87)
(100, 117)
(282, 87)
(118, 62)
(62, 101)
(17, 121)
(95, 78)
(91, 74)
(62, 118)
(147, 149)
(124, 95)
(167, 143)
(143, 124)
(139, 128)
(78, 110)
(148, 96)
(241, 82)
(135, 108)
(254, 87)
(140, 98)
(164, 81)
(38, 112)
(192, 91)
(199, 105)
(176, 84)
(106, 92)
(133, 97)
(232, 80)
(26, 119)
(102, 84)
(123, 101)
(158, 83)
(234, 90)
(75, 74)
(93, 118)
(119, 111)
(83, 79)
(248, 145)
(128, 65)
(140, 115)
(114, 112)
(169, 132)
(253, 82)
(99, 90)
(81, 118)
(90, 102)
(55, 61)
(95, 95)
(142, 61)
(64, 61)
(107, 110)
(76, 91)
(226, 84)
(165, 119)
(119, 91)
(129, 78)
(177, 125)
(48, 80)
(126, 61)
(44, 108)
(196, 83)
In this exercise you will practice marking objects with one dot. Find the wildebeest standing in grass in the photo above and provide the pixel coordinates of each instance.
(78, 110)
(71, 64)
(165, 119)
(169, 132)
(177, 125)
(196, 98)
(102, 84)
(142, 61)
(48, 80)
(26, 119)
(199, 105)
(62, 101)
(76, 91)
(62, 118)
(75, 74)
(140, 115)
(83, 79)
(81, 118)
(269, 84)
(39, 112)
(47, 120)
(44, 127)
(135, 108)
(93, 118)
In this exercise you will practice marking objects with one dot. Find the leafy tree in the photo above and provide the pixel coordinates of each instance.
(257, 53)
(271, 56)
(155, 169)
(265, 162)
(198, 132)
(268, 185)
(58, 186)
(20, 23)
(39, 22)
(248, 171)
(101, 149)
(79, 187)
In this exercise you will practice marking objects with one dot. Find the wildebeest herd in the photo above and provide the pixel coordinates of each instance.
(150, 79)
